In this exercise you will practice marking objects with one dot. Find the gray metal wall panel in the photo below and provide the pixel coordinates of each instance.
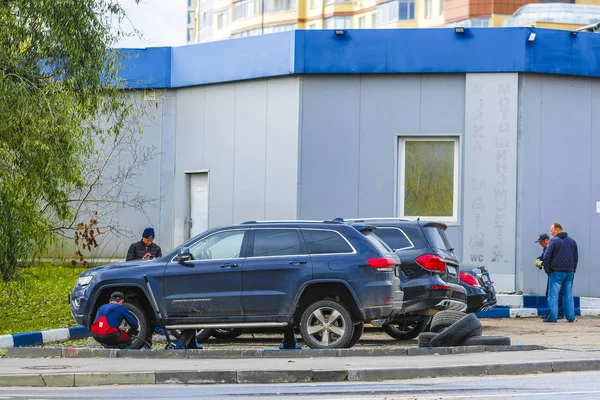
(529, 192)
(281, 169)
(189, 154)
(167, 171)
(389, 105)
(594, 229)
(330, 147)
(564, 183)
(566, 156)
(442, 103)
(218, 151)
(249, 153)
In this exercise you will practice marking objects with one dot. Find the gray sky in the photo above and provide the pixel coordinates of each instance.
(162, 22)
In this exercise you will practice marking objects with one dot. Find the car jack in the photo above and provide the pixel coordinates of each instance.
(176, 344)
(289, 342)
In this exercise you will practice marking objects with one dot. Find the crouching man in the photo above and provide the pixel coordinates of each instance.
(105, 328)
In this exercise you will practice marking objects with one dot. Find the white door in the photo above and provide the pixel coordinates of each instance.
(198, 203)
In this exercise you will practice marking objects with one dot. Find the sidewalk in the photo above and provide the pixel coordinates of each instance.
(62, 372)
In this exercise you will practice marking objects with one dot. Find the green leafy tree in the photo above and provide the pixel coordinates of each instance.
(58, 78)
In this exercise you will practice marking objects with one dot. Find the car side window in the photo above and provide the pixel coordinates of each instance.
(394, 237)
(221, 245)
(276, 242)
(325, 242)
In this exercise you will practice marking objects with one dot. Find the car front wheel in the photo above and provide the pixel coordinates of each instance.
(326, 324)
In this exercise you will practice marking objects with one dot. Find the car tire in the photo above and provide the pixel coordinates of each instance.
(406, 331)
(224, 333)
(486, 341)
(358, 331)
(425, 338)
(457, 332)
(444, 319)
(202, 335)
(144, 336)
(319, 336)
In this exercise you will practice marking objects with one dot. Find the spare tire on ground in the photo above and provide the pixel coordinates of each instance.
(444, 319)
(456, 333)
(486, 341)
(425, 338)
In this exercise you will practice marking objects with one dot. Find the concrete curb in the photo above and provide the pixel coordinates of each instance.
(192, 377)
(43, 337)
(68, 352)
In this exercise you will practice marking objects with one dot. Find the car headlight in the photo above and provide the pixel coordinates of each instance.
(83, 280)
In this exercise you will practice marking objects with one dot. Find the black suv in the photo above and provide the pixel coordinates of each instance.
(429, 272)
(326, 278)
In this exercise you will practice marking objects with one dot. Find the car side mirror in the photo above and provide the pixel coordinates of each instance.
(184, 255)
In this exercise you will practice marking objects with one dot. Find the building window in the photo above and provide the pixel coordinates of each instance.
(190, 3)
(190, 19)
(279, 28)
(428, 178)
(223, 20)
(337, 23)
(373, 20)
(428, 4)
(190, 34)
(279, 5)
(313, 4)
(395, 11)
(441, 7)
(244, 9)
(362, 22)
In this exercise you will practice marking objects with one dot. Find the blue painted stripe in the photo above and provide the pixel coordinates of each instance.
(27, 339)
(364, 51)
(79, 332)
(494, 313)
(531, 301)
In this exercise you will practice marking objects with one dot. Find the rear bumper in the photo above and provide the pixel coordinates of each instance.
(421, 299)
(479, 299)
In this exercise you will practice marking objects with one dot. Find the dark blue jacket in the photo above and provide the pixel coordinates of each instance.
(115, 313)
(561, 254)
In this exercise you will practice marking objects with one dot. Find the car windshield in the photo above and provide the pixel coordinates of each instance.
(437, 238)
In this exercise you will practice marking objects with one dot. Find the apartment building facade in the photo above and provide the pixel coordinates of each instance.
(211, 20)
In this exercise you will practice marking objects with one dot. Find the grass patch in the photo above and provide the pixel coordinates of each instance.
(39, 300)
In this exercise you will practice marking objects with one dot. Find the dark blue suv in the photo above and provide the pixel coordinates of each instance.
(325, 278)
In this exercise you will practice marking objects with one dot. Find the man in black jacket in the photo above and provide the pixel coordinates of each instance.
(145, 249)
(543, 239)
(560, 263)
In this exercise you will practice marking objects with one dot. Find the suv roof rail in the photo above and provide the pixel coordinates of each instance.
(283, 221)
(376, 219)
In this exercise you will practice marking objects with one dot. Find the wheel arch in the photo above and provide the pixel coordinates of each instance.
(328, 289)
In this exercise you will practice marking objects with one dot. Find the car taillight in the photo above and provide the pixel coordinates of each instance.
(382, 262)
(431, 262)
(440, 287)
(469, 279)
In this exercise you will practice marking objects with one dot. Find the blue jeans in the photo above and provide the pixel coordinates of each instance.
(558, 280)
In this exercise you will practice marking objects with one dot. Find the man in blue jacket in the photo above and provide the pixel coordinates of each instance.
(560, 263)
(106, 326)
(543, 239)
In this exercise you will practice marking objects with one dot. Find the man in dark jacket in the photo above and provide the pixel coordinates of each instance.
(106, 326)
(560, 263)
(145, 249)
(543, 239)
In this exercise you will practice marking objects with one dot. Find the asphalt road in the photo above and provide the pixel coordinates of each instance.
(571, 385)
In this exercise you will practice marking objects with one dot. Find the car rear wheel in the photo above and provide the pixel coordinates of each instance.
(405, 330)
(326, 324)
(358, 331)
(230, 333)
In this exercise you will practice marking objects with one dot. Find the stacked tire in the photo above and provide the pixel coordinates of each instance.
(455, 328)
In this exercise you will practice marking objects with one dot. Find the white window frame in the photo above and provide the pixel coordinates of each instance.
(400, 160)
(428, 8)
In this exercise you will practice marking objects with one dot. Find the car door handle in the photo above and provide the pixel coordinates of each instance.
(229, 266)
(297, 262)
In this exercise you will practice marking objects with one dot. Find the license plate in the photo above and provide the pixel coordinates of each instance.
(451, 270)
